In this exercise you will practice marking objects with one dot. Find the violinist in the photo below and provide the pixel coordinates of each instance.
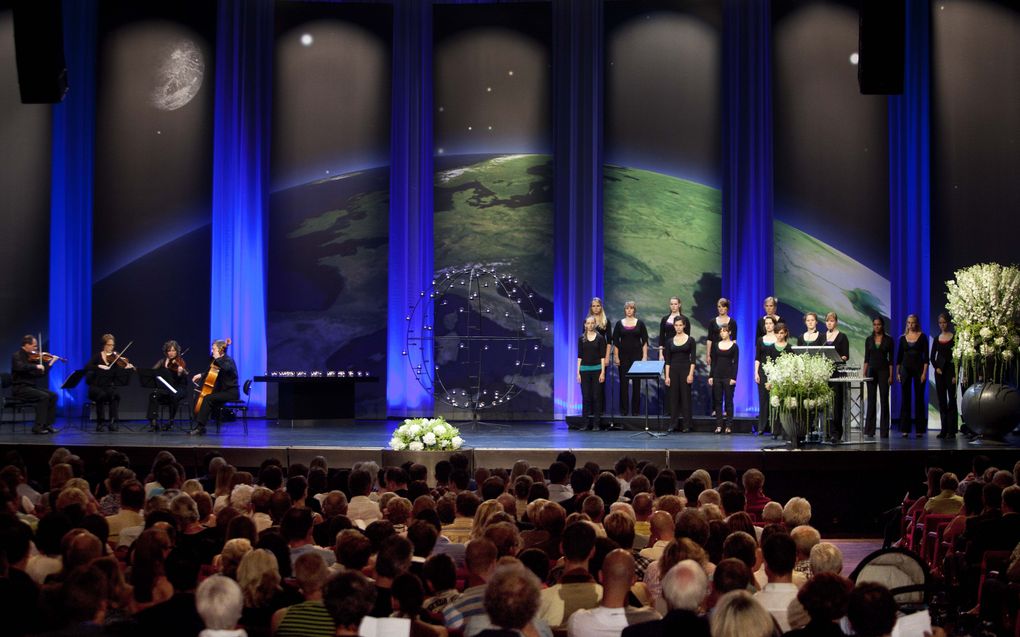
(225, 389)
(27, 367)
(171, 368)
(104, 374)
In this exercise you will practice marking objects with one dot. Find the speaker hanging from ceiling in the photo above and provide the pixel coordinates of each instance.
(39, 49)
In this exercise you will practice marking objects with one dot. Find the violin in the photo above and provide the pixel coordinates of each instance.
(118, 360)
(177, 364)
(45, 357)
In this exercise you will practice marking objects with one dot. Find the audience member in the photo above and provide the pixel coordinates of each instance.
(684, 587)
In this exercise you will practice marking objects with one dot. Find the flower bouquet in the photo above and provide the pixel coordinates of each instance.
(798, 389)
(426, 434)
(984, 303)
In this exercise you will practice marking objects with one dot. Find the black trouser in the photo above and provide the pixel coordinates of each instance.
(592, 396)
(211, 405)
(679, 401)
(721, 388)
(945, 392)
(764, 408)
(878, 389)
(162, 397)
(836, 426)
(912, 394)
(107, 401)
(43, 400)
(630, 389)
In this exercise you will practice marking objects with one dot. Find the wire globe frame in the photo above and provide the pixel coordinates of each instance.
(471, 313)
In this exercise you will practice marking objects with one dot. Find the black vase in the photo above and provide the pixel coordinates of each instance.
(991, 409)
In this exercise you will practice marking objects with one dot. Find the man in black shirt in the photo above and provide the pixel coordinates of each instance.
(25, 373)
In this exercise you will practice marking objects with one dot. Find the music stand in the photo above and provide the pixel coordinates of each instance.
(828, 351)
(73, 380)
(645, 371)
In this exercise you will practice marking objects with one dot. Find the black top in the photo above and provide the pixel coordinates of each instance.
(760, 330)
(769, 351)
(606, 332)
(226, 380)
(679, 358)
(591, 352)
(25, 372)
(104, 377)
(724, 362)
(630, 340)
(842, 345)
(879, 356)
(174, 378)
(912, 357)
(941, 356)
(713, 330)
(818, 340)
(667, 331)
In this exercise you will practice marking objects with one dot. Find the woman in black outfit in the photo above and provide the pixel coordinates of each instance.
(666, 329)
(724, 319)
(104, 376)
(604, 326)
(762, 345)
(811, 336)
(945, 377)
(911, 373)
(591, 372)
(630, 343)
(681, 353)
(836, 339)
(723, 378)
(878, 355)
(770, 304)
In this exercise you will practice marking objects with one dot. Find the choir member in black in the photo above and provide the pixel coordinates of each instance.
(171, 369)
(763, 343)
(945, 377)
(104, 374)
(630, 344)
(811, 335)
(912, 374)
(681, 354)
(722, 306)
(878, 355)
(770, 304)
(27, 367)
(604, 326)
(666, 329)
(591, 372)
(224, 391)
(839, 340)
(723, 378)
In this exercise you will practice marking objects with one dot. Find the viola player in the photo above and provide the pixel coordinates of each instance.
(224, 390)
(27, 367)
(103, 374)
(171, 368)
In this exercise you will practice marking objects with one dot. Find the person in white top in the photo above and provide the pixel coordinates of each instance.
(663, 532)
(611, 616)
(780, 554)
(361, 507)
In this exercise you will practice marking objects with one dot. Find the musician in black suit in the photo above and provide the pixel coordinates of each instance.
(25, 374)
(839, 340)
(225, 389)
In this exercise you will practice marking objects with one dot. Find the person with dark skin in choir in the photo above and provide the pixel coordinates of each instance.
(912, 374)
(811, 335)
(771, 353)
(224, 391)
(103, 375)
(723, 378)
(770, 304)
(945, 377)
(878, 365)
(25, 374)
(591, 372)
(763, 342)
(839, 340)
(630, 344)
(681, 354)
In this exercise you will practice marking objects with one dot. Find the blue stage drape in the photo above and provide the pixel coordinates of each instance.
(73, 145)
(909, 180)
(577, 134)
(244, 50)
(411, 178)
(747, 182)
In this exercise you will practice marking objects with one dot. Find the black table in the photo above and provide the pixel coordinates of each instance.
(316, 398)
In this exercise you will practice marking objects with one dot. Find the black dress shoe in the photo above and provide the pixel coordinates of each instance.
(113, 426)
(197, 431)
(99, 428)
(40, 430)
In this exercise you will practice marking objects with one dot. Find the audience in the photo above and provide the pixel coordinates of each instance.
(779, 553)
(219, 602)
(684, 587)
(618, 574)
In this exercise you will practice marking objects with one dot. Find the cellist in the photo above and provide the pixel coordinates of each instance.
(224, 389)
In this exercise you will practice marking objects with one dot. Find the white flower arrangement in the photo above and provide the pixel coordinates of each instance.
(799, 382)
(984, 303)
(426, 434)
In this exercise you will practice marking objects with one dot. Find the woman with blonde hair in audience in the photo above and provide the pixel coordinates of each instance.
(120, 602)
(224, 478)
(259, 578)
(484, 511)
(738, 614)
(148, 573)
(230, 558)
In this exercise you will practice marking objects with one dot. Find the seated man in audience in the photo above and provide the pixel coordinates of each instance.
(559, 486)
(806, 538)
(393, 559)
(1000, 533)
(576, 588)
(684, 587)
(459, 531)
(480, 560)
(772, 513)
(219, 601)
(334, 504)
(362, 509)
(349, 598)
(871, 610)
(310, 617)
(296, 528)
(613, 614)
(779, 552)
(643, 509)
(825, 558)
(663, 532)
(946, 502)
(754, 496)
(132, 499)
(731, 574)
(510, 603)
(824, 600)
(619, 528)
(440, 580)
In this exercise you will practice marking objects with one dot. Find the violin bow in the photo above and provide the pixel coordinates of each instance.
(119, 355)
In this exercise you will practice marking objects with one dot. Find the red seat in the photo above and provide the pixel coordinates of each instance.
(934, 526)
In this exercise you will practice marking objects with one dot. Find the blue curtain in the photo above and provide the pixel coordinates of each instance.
(244, 49)
(411, 204)
(73, 145)
(577, 134)
(747, 178)
(909, 179)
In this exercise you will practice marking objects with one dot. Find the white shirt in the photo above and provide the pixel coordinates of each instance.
(775, 598)
(601, 622)
(362, 508)
(761, 579)
(560, 492)
(655, 551)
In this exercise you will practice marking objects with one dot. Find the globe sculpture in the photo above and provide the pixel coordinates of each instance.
(991, 409)
(474, 339)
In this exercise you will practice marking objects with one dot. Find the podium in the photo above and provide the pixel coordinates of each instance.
(645, 371)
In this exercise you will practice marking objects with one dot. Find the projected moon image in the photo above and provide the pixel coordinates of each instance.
(179, 76)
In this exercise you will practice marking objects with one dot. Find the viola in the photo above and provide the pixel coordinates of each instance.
(177, 364)
(45, 357)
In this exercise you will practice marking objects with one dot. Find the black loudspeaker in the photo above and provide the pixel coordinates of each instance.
(39, 48)
(881, 47)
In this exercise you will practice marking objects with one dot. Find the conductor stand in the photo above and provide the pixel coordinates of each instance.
(645, 371)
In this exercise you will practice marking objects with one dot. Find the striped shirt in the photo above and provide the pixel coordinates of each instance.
(307, 619)
(470, 603)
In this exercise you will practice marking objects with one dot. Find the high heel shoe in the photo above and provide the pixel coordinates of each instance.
(728, 431)
(718, 430)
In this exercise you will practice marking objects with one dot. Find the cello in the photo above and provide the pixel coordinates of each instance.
(208, 383)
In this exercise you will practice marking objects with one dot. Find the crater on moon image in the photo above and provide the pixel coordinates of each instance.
(179, 76)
